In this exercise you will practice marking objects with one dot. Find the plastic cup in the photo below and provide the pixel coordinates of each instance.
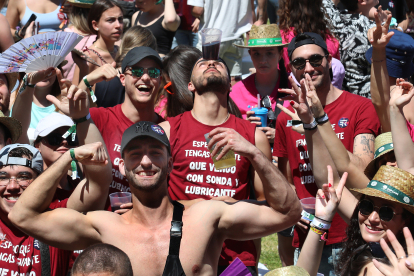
(262, 114)
(210, 42)
(308, 204)
(227, 161)
(119, 198)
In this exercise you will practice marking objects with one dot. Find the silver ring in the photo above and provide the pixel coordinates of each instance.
(402, 257)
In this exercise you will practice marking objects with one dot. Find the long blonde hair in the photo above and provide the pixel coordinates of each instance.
(78, 17)
(135, 37)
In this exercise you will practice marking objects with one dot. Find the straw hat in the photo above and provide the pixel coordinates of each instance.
(82, 3)
(11, 80)
(266, 35)
(383, 145)
(13, 125)
(288, 271)
(393, 184)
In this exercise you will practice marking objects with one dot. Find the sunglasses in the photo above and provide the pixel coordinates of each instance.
(314, 60)
(385, 213)
(56, 139)
(140, 71)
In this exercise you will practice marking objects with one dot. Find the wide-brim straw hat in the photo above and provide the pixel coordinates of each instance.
(393, 184)
(383, 145)
(266, 35)
(13, 125)
(82, 3)
(11, 80)
(288, 271)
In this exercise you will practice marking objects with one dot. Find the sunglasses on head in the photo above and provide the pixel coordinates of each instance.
(56, 139)
(385, 213)
(140, 71)
(314, 60)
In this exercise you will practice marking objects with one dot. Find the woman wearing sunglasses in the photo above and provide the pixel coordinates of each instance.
(386, 203)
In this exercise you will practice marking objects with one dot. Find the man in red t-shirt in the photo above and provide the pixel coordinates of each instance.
(141, 76)
(194, 175)
(354, 121)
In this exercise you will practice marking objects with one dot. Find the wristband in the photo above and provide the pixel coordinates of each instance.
(323, 119)
(72, 129)
(320, 225)
(25, 84)
(73, 164)
(81, 120)
(326, 221)
(381, 60)
(323, 234)
(307, 216)
(290, 123)
(310, 126)
(85, 80)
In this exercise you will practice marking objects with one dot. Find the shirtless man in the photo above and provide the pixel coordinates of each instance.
(143, 233)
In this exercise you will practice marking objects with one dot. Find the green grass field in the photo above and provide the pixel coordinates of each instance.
(270, 257)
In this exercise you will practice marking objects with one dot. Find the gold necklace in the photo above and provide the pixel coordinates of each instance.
(228, 115)
(105, 50)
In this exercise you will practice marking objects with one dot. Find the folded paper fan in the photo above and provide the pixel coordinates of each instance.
(38, 52)
(236, 268)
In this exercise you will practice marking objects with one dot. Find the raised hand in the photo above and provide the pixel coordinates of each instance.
(294, 116)
(92, 154)
(379, 35)
(104, 73)
(328, 199)
(312, 98)
(402, 262)
(41, 75)
(74, 102)
(401, 93)
(229, 139)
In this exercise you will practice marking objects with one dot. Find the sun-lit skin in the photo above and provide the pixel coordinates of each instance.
(370, 270)
(265, 59)
(4, 94)
(373, 229)
(206, 73)
(145, 5)
(144, 89)
(10, 193)
(110, 24)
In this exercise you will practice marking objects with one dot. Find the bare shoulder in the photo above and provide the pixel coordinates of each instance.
(209, 211)
(166, 126)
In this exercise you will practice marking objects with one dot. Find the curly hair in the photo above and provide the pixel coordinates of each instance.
(354, 240)
(303, 16)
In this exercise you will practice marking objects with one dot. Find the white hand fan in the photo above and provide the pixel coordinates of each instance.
(38, 52)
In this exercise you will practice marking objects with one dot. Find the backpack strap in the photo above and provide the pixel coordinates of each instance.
(176, 229)
(44, 258)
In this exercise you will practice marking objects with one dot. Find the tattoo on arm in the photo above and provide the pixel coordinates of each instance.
(367, 142)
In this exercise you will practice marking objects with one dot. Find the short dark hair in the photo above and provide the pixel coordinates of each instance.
(350, 5)
(6, 132)
(102, 258)
(97, 9)
(21, 152)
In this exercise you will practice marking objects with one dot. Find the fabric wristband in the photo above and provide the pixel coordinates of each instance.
(25, 84)
(293, 123)
(323, 119)
(310, 126)
(391, 191)
(73, 164)
(323, 234)
(307, 216)
(320, 225)
(384, 147)
(85, 80)
(72, 129)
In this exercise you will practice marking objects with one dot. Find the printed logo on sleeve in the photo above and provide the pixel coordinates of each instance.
(157, 129)
(343, 122)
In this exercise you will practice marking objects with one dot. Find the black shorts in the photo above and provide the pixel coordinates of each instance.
(287, 232)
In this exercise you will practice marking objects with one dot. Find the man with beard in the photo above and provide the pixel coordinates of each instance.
(353, 119)
(157, 229)
(194, 175)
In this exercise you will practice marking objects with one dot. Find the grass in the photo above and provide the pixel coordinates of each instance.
(270, 256)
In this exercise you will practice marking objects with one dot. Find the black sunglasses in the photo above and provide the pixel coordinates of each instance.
(314, 60)
(385, 213)
(56, 139)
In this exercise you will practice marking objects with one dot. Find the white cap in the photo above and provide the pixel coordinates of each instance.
(50, 123)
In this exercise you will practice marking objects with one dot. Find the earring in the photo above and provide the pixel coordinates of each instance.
(97, 29)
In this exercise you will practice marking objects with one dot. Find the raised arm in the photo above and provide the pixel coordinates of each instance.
(256, 221)
(61, 227)
(380, 84)
(92, 192)
(261, 17)
(171, 20)
(401, 95)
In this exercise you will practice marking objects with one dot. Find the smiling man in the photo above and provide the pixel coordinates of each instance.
(141, 76)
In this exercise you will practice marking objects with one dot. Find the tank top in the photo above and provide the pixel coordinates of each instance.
(164, 37)
(49, 22)
(194, 175)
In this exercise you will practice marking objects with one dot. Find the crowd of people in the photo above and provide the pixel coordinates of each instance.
(138, 108)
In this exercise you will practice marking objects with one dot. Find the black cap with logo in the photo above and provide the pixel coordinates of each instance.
(304, 39)
(141, 129)
(137, 54)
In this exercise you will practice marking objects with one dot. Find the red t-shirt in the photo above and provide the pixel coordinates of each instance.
(20, 254)
(350, 115)
(194, 176)
(112, 123)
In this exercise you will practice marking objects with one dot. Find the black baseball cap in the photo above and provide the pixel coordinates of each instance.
(304, 39)
(142, 129)
(136, 54)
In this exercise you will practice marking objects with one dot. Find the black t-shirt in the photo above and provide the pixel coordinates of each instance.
(109, 93)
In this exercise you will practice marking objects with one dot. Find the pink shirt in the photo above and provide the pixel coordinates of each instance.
(410, 130)
(287, 36)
